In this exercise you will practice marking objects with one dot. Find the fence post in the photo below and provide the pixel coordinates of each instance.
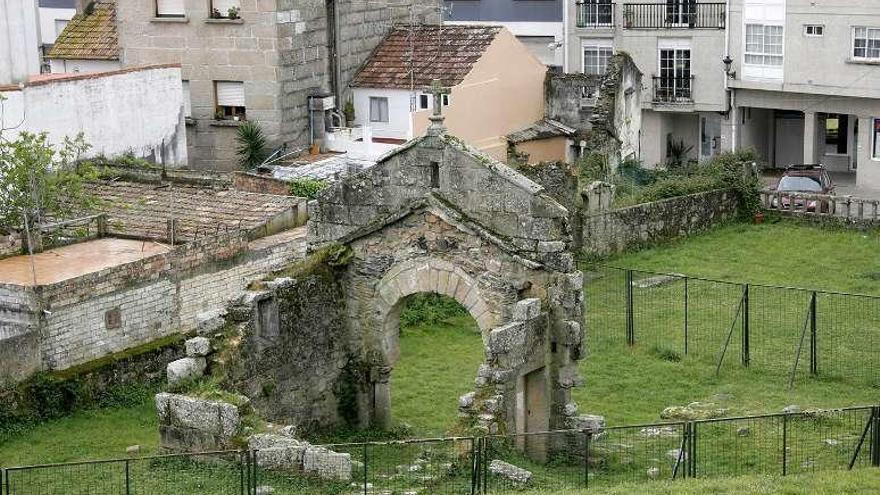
(693, 451)
(475, 465)
(785, 444)
(686, 303)
(630, 330)
(366, 450)
(814, 356)
(875, 443)
(127, 477)
(745, 326)
(242, 465)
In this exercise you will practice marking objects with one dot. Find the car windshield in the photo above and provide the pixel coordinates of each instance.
(795, 183)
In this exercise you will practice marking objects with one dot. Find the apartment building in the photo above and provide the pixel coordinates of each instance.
(257, 60)
(679, 46)
(538, 24)
(805, 82)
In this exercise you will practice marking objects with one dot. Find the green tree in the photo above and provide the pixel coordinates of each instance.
(252, 150)
(39, 180)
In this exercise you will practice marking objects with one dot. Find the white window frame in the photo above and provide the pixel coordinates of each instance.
(169, 11)
(868, 38)
(224, 5)
(238, 106)
(682, 85)
(763, 53)
(814, 28)
(379, 118)
(599, 45)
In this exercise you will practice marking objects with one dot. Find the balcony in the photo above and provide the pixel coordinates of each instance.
(595, 14)
(674, 14)
(674, 90)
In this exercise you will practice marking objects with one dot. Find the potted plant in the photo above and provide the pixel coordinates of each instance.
(233, 13)
(218, 115)
(215, 14)
(348, 110)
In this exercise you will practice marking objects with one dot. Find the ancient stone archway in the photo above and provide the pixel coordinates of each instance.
(437, 216)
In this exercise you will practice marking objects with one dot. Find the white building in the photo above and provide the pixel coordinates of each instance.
(19, 30)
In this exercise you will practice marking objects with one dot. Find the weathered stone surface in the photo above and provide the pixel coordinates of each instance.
(198, 347)
(792, 409)
(278, 451)
(593, 423)
(693, 411)
(510, 472)
(190, 424)
(186, 368)
(327, 464)
(527, 309)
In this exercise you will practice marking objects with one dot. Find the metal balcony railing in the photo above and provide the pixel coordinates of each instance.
(674, 90)
(674, 14)
(595, 14)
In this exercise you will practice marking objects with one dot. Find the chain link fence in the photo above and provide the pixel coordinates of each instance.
(792, 333)
(567, 461)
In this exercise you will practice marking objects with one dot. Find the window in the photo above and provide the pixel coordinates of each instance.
(113, 318)
(814, 30)
(598, 13)
(230, 100)
(675, 74)
(225, 9)
(424, 102)
(866, 43)
(378, 109)
(187, 102)
(596, 56)
(681, 12)
(170, 8)
(876, 153)
(445, 99)
(763, 45)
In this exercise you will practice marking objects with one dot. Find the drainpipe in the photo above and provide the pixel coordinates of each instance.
(728, 91)
(565, 27)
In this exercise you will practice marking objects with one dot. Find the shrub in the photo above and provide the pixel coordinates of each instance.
(665, 354)
(429, 309)
(252, 149)
(307, 188)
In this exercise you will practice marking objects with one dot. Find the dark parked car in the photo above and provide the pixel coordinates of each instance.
(804, 179)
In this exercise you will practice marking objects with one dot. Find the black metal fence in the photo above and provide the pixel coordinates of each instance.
(683, 14)
(548, 462)
(595, 14)
(794, 333)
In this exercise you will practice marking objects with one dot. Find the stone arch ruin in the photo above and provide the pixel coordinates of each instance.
(316, 345)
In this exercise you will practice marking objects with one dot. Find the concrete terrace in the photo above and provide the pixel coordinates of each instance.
(68, 262)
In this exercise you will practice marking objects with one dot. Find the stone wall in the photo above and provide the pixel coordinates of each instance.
(295, 348)
(618, 230)
(262, 184)
(109, 311)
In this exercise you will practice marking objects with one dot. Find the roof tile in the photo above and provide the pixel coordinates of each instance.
(90, 37)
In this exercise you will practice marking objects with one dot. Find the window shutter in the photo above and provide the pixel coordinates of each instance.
(230, 94)
(187, 102)
(170, 7)
(224, 5)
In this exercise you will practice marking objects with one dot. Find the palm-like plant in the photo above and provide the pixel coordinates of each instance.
(252, 149)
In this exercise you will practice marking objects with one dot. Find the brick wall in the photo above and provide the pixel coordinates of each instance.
(133, 304)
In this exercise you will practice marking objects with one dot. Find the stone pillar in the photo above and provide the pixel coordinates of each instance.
(810, 155)
(868, 175)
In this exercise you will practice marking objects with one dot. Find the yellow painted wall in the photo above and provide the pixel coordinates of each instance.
(503, 93)
(544, 150)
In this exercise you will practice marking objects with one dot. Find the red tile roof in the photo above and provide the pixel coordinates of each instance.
(447, 53)
(89, 37)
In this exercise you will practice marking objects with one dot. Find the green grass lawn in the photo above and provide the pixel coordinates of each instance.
(779, 252)
(438, 363)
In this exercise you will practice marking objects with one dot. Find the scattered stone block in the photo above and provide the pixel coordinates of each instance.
(466, 401)
(510, 472)
(191, 424)
(527, 309)
(327, 464)
(186, 368)
(264, 490)
(743, 431)
(198, 347)
(592, 423)
(792, 409)
(693, 411)
(278, 451)
(657, 281)
(133, 450)
(653, 472)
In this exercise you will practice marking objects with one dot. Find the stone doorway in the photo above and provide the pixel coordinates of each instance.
(537, 413)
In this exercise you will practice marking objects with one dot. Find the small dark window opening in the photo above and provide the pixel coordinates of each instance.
(423, 102)
(267, 312)
(435, 175)
(553, 347)
(113, 319)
